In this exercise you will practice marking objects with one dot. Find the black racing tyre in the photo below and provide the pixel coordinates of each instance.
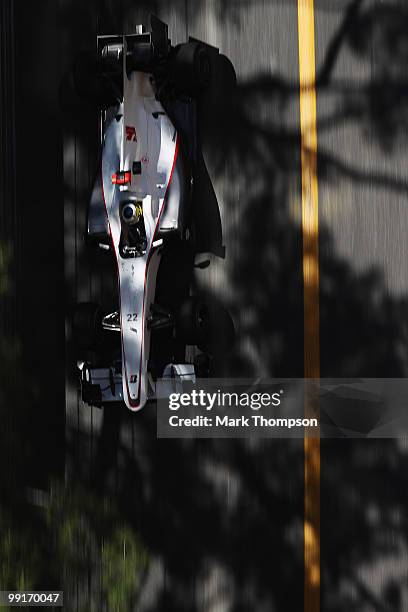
(87, 324)
(202, 365)
(97, 81)
(91, 394)
(191, 68)
(208, 325)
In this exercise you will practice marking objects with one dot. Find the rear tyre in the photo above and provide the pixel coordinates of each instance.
(208, 325)
(87, 325)
(191, 68)
(96, 81)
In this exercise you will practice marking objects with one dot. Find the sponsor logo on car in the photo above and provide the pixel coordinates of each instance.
(131, 133)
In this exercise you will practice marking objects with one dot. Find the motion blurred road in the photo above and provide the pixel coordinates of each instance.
(223, 520)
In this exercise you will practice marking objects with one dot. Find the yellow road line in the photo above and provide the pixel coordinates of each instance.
(310, 229)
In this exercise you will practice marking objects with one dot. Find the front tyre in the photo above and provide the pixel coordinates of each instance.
(87, 324)
(208, 325)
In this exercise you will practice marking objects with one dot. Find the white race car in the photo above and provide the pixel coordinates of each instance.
(147, 209)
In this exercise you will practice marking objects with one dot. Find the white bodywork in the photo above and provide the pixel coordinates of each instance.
(135, 135)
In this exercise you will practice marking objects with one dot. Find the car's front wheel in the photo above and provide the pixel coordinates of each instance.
(206, 324)
(87, 324)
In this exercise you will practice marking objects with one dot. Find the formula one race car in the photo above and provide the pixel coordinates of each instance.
(146, 208)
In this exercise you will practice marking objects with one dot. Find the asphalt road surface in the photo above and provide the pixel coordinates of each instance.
(224, 520)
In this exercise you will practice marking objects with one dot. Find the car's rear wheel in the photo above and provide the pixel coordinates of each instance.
(97, 81)
(87, 324)
(208, 325)
(191, 68)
